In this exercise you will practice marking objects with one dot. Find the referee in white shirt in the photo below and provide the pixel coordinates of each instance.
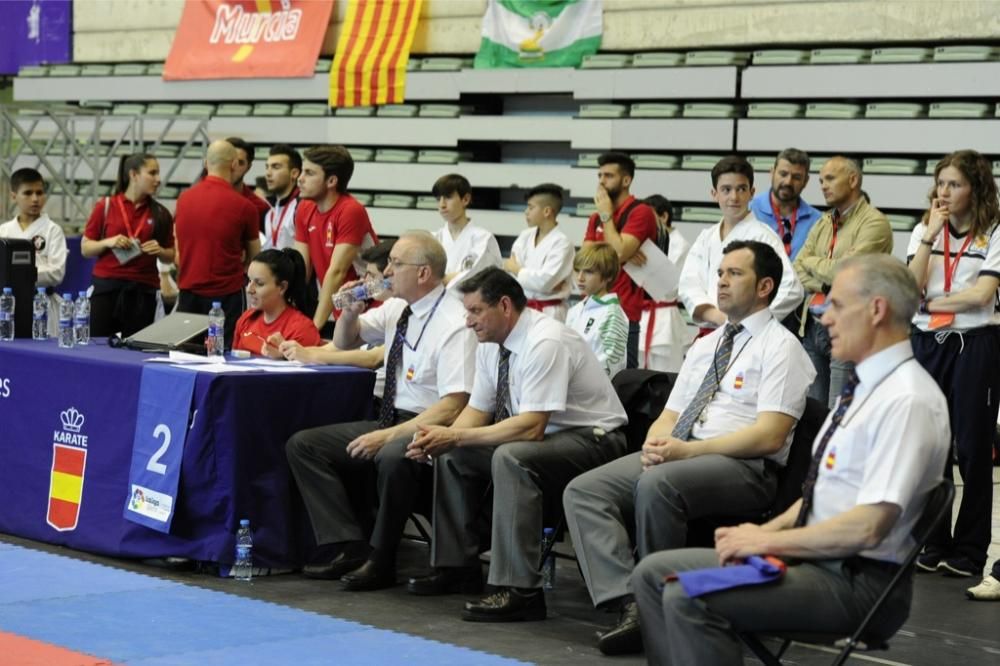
(715, 449)
(542, 411)
(430, 365)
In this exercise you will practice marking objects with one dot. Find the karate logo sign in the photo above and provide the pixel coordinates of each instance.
(69, 462)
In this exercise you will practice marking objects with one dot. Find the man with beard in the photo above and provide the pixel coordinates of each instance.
(284, 165)
(782, 208)
(244, 158)
(850, 227)
(623, 222)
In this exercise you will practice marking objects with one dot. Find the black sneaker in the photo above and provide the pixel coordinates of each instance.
(959, 567)
(928, 562)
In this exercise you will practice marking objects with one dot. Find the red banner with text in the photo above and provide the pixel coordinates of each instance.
(241, 39)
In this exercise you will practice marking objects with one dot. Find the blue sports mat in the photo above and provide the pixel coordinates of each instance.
(145, 621)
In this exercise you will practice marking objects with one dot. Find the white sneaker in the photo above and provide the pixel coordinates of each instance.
(988, 590)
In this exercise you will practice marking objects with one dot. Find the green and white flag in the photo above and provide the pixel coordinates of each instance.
(539, 33)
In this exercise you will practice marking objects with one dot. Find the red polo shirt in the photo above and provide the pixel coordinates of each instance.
(212, 224)
(137, 223)
(260, 204)
(641, 223)
(346, 222)
(252, 331)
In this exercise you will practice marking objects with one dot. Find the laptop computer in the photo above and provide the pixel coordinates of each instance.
(179, 330)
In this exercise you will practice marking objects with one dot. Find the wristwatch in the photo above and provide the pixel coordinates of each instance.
(605, 217)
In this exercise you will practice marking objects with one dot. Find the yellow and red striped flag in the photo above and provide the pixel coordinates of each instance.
(369, 67)
(66, 486)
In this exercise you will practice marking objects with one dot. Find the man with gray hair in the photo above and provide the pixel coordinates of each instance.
(849, 228)
(783, 208)
(875, 462)
(430, 364)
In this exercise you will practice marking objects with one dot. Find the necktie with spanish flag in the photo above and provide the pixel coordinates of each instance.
(369, 67)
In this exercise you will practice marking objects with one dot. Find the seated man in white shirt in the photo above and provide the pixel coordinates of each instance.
(732, 188)
(430, 361)
(470, 248)
(542, 411)
(542, 256)
(877, 458)
(715, 450)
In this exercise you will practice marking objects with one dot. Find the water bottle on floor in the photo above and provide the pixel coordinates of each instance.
(40, 316)
(81, 319)
(66, 338)
(243, 566)
(7, 314)
(215, 343)
(549, 565)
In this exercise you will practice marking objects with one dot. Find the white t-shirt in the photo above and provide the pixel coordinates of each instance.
(444, 357)
(769, 371)
(50, 247)
(473, 250)
(602, 323)
(700, 274)
(981, 257)
(546, 268)
(890, 446)
(282, 218)
(551, 369)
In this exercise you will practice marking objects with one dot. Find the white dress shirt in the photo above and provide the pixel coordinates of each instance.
(700, 274)
(768, 371)
(891, 447)
(552, 370)
(444, 360)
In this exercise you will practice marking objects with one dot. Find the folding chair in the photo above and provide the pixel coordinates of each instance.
(937, 508)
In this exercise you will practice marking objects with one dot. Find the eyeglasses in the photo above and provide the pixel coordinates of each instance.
(396, 263)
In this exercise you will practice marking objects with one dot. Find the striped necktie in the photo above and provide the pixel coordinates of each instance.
(502, 410)
(387, 415)
(709, 385)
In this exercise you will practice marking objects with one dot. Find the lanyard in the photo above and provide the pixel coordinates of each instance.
(423, 328)
(950, 268)
(780, 226)
(126, 218)
(281, 218)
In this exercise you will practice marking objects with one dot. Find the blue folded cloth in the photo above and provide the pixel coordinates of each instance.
(754, 570)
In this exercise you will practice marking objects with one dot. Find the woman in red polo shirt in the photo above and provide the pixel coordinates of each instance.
(128, 232)
(276, 287)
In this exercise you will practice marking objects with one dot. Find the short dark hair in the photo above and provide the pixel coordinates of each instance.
(766, 262)
(260, 183)
(550, 191)
(334, 161)
(25, 176)
(494, 283)
(451, 183)
(732, 164)
(294, 157)
(378, 254)
(793, 156)
(241, 144)
(624, 162)
(660, 204)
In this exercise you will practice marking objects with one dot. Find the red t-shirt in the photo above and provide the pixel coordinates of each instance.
(641, 223)
(346, 222)
(139, 225)
(251, 329)
(258, 203)
(212, 223)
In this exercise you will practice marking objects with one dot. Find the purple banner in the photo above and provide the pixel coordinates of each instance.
(35, 32)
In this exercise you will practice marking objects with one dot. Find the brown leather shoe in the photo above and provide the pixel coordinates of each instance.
(448, 580)
(507, 605)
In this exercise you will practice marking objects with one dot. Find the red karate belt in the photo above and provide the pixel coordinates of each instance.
(651, 307)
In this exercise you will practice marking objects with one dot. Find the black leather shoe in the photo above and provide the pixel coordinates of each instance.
(369, 576)
(506, 605)
(333, 569)
(448, 580)
(625, 637)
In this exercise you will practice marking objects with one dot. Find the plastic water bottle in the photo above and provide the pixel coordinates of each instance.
(216, 343)
(66, 338)
(367, 290)
(7, 314)
(81, 319)
(243, 566)
(549, 565)
(40, 316)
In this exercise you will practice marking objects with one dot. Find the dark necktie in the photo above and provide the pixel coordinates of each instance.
(709, 385)
(387, 416)
(502, 410)
(809, 485)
